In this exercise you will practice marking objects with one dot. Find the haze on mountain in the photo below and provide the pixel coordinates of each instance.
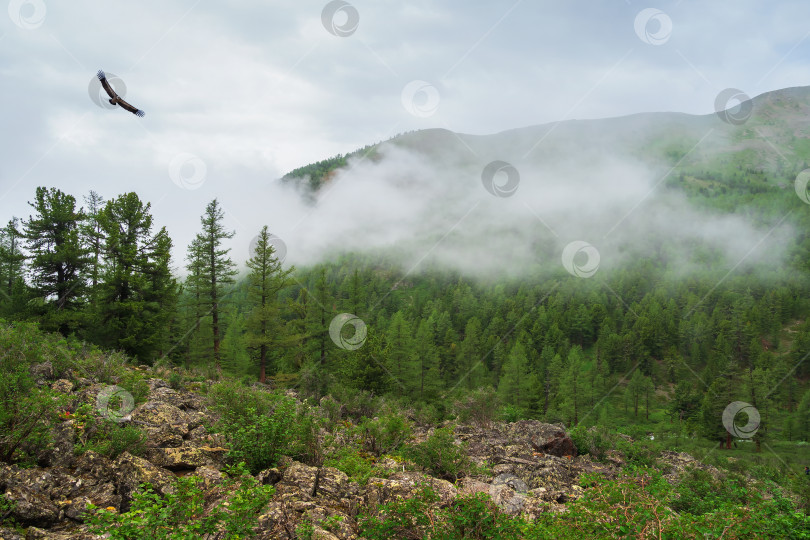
(619, 184)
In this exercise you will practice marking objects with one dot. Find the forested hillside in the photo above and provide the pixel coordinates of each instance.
(656, 346)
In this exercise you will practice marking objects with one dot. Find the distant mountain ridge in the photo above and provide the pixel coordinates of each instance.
(773, 138)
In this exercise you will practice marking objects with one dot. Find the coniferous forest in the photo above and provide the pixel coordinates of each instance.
(641, 349)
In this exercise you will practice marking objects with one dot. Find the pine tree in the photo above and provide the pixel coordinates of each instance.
(218, 268)
(59, 262)
(265, 281)
(136, 292)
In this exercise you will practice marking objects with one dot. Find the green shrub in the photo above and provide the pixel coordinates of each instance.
(478, 406)
(356, 466)
(385, 434)
(468, 517)
(595, 441)
(26, 413)
(104, 436)
(182, 515)
(135, 383)
(440, 456)
(513, 413)
(175, 380)
(238, 403)
(260, 439)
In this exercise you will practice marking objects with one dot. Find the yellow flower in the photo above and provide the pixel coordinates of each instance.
(110, 508)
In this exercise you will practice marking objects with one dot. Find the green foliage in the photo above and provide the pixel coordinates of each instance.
(264, 427)
(471, 517)
(6, 509)
(136, 384)
(384, 434)
(182, 514)
(357, 465)
(637, 504)
(26, 410)
(440, 455)
(478, 406)
(104, 436)
(595, 441)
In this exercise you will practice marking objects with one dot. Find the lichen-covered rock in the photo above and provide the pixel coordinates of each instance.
(165, 436)
(158, 413)
(405, 485)
(41, 372)
(30, 507)
(10, 534)
(63, 437)
(209, 475)
(186, 457)
(63, 386)
(132, 471)
(96, 466)
(269, 477)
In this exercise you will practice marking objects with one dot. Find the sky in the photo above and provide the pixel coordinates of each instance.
(239, 92)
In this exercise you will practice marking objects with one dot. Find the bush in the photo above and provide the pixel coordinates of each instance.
(104, 436)
(385, 434)
(135, 383)
(478, 406)
(26, 413)
(182, 515)
(440, 456)
(260, 439)
(595, 441)
(175, 380)
(239, 403)
(356, 466)
(468, 517)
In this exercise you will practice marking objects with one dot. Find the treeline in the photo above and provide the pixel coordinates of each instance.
(621, 347)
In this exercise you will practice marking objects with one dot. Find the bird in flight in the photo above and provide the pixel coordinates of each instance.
(115, 99)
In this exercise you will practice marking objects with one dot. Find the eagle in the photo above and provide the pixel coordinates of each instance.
(115, 99)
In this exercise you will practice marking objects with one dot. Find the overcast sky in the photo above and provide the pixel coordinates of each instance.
(239, 92)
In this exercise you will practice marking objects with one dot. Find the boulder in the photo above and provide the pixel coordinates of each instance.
(10, 534)
(269, 477)
(159, 413)
(406, 485)
(132, 471)
(63, 386)
(63, 437)
(41, 372)
(30, 507)
(165, 436)
(209, 475)
(186, 457)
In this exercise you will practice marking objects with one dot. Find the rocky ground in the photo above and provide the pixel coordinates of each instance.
(534, 467)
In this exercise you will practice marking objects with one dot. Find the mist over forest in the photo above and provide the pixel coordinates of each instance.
(451, 270)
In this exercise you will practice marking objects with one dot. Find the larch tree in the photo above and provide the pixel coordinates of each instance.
(218, 269)
(266, 279)
(12, 267)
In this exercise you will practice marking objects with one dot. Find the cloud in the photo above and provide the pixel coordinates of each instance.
(426, 210)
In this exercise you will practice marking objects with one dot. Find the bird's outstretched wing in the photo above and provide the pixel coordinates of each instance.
(134, 110)
(106, 85)
(118, 100)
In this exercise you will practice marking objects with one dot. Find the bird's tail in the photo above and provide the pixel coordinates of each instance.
(100, 75)
(140, 113)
